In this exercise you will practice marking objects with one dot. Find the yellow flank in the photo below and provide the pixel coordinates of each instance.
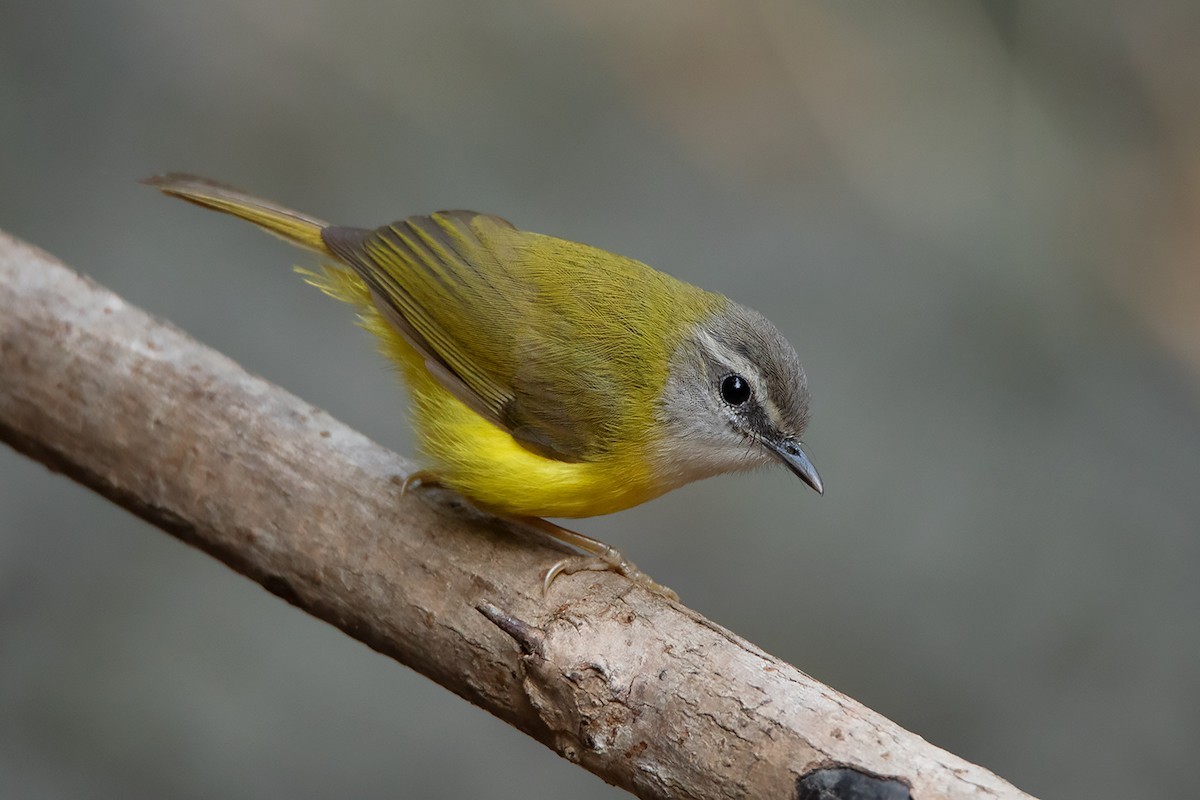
(474, 457)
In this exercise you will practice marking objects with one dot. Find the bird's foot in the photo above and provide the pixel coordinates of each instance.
(599, 558)
(610, 561)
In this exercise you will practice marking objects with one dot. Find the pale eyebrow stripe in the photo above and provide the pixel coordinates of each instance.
(738, 363)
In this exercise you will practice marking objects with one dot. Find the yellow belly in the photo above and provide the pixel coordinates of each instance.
(474, 457)
(485, 464)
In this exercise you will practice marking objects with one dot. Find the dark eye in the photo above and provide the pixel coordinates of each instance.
(735, 390)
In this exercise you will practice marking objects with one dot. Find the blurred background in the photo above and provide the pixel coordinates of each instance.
(978, 221)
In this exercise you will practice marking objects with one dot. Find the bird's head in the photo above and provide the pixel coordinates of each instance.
(736, 398)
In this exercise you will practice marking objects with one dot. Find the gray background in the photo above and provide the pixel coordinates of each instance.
(978, 221)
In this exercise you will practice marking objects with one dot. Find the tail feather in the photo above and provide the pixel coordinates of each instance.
(291, 226)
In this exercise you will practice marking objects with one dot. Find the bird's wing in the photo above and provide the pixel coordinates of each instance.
(533, 333)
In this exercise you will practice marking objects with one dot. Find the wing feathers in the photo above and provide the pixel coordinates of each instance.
(421, 258)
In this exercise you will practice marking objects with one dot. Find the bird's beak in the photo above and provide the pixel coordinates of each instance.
(790, 454)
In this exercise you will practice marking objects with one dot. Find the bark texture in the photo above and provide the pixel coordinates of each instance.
(645, 693)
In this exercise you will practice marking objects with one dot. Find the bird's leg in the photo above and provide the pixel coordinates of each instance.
(600, 558)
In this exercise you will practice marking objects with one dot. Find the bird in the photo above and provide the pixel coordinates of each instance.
(549, 378)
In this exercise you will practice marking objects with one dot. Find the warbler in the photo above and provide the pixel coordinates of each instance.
(550, 378)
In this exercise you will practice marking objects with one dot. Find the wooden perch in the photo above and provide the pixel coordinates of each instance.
(647, 694)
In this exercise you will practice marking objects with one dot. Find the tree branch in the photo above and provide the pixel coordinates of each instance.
(647, 694)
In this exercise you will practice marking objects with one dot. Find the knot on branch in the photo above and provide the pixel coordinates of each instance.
(848, 783)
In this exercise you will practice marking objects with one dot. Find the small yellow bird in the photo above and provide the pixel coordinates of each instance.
(550, 378)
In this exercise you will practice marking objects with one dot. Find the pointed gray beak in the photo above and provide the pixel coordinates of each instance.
(790, 454)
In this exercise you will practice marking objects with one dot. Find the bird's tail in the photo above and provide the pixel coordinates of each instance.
(291, 226)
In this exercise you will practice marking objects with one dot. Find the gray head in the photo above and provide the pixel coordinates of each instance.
(736, 398)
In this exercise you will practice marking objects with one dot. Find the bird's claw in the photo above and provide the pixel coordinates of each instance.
(611, 561)
(418, 478)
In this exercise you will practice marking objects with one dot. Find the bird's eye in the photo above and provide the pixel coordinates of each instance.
(735, 390)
